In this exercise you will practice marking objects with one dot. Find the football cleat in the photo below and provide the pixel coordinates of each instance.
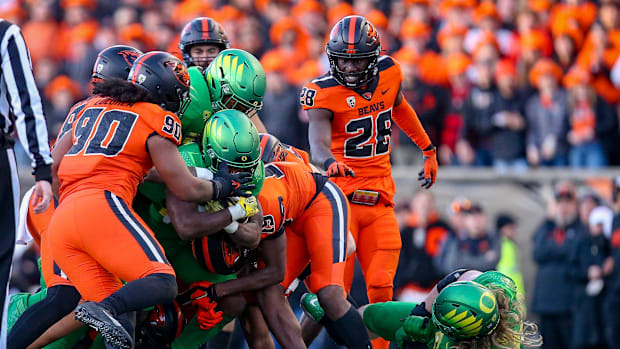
(100, 319)
(310, 305)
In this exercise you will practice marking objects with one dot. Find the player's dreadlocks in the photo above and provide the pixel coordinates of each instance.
(123, 91)
(512, 330)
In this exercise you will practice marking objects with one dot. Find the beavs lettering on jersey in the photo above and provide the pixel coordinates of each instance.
(369, 109)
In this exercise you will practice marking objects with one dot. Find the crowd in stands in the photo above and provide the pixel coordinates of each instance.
(507, 83)
(576, 249)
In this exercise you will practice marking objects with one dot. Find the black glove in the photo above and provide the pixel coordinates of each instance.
(226, 184)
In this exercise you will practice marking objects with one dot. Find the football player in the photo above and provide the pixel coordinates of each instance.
(350, 112)
(112, 62)
(100, 169)
(187, 230)
(202, 39)
(466, 308)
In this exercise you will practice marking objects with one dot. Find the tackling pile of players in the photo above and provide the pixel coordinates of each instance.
(176, 216)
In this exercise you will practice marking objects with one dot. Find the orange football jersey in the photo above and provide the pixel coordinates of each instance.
(109, 146)
(67, 124)
(288, 190)
(361, 124)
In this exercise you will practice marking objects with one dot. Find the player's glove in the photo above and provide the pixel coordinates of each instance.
(231, 184)
(204, 298)
(203, 291)
(208, 317)
(245, 207)
(428, 175)
(419, 328)
(402, 339)
(335, 168)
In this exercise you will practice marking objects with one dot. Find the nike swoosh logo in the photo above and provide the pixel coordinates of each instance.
(384, 92)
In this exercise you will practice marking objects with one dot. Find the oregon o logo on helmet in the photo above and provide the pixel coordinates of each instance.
(489, 299)
(244, 158)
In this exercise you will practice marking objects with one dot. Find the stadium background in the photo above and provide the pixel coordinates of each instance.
(446, 48)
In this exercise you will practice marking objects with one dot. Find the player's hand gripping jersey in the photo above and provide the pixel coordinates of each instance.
(109, 146)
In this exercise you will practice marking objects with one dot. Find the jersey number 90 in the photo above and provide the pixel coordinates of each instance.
(364, 129)
(110, 135)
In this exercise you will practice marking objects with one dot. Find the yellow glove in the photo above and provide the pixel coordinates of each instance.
(245, 207)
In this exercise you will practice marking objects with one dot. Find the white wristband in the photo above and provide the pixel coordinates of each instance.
(204, 173)
(236, 211)
(231, 228)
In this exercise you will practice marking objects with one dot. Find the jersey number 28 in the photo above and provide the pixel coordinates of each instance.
(364, 129)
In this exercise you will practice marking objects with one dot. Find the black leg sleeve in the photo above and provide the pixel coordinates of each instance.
(141, 293)
(59, 301)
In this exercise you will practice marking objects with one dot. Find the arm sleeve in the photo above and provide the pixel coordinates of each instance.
(407, 119)
(25, 102)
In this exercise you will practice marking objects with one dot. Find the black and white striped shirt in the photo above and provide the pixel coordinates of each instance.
(20, 103)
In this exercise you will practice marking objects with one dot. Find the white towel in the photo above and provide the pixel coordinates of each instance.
(22, 235)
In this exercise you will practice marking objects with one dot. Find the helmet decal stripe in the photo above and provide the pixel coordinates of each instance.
(139, 65)
(204, 22)
(351, 39)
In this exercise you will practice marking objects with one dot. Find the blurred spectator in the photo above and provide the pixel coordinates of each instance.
(510, 260)
(591, 119)
(478, 115)
(477, 249)
(281, 104)
(429, 101)
(508, 148)
(587, 203)
(612, 301)
(457, 65)
(421, 238)
(458, 206)
(547, 117)
(62, 92)
(590, 265)
(553, 292)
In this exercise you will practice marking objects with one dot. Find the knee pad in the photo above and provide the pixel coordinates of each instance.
(380, 294)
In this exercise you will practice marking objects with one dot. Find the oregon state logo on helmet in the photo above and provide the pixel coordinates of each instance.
(179, 71)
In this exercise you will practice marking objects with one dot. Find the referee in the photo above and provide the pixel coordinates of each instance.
(21, 110)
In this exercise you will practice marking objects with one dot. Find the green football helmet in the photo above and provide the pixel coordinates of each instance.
(465, 310)
(236, 80)
(495, 278)
(231, 137)
(199, 109)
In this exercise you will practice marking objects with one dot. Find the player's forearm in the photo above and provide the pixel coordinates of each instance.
(247, 235)
(191, 224)
(255, 280)
(408, 121)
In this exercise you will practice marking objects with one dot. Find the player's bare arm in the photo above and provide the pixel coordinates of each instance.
(248, 234)
(191, 224)
(258, 123)
(319, 135)
(273, 254)
(182, 183)
(174, 172)
(280, 317)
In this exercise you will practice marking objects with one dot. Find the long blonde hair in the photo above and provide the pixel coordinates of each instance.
(512, 331)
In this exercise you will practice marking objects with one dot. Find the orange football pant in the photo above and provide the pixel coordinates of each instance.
(97, 240)
(319, 237)
(378, 243)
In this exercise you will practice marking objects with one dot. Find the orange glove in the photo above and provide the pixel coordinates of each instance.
(204, 298)
(335, 168)
(202, 291)
(207, 315)
(429, 174)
